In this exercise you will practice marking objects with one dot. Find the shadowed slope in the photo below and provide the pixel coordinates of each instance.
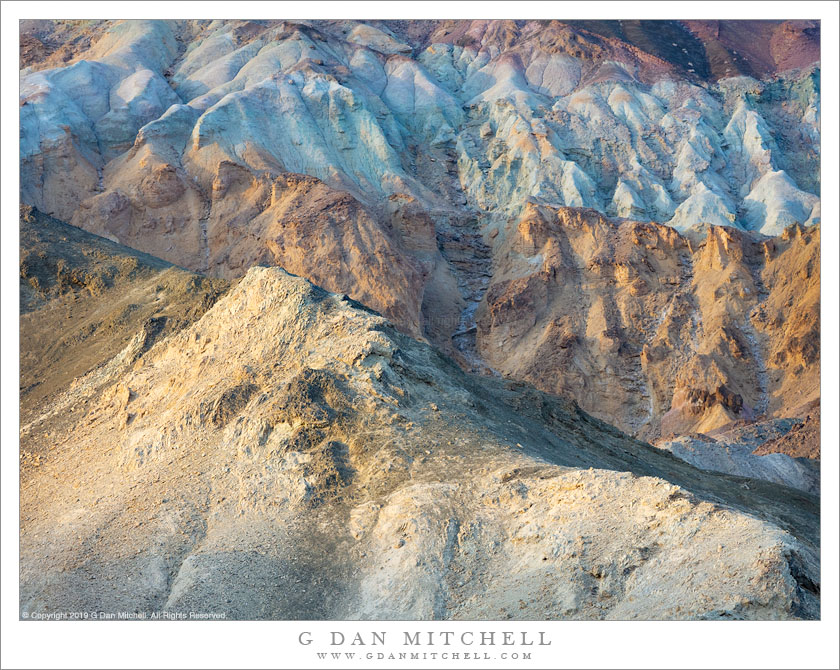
(292, 455)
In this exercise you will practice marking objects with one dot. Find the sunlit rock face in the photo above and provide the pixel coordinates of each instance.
(617, 223)
(652, 331)
(396, 162)
(284, 453)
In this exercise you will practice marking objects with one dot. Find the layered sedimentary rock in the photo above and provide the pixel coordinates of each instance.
(622, 211)
(290, 454)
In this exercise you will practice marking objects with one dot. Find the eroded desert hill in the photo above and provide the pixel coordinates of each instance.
(284, 452)
(667, 334)
(601, 208)
(84, 299)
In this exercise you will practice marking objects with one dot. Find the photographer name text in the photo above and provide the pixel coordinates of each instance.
(428, 638)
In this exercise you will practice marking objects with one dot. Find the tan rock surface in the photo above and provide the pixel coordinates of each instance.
(292, 455)
(417, 167)
(650, 331)
(803, 440)
(623, 213)
(85, 299)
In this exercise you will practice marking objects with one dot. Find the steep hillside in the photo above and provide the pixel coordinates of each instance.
(316, 312)
(653, 332)
(406, 164)
(85, 299)
(291, 455)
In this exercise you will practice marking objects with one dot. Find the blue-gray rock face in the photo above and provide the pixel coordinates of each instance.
(360, 108)
(433, 170)
(617, 222)
(733, 453)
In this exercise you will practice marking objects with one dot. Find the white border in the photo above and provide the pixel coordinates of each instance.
(273, 644)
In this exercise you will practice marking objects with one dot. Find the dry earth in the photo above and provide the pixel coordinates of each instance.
(607, 221)
(289, 454)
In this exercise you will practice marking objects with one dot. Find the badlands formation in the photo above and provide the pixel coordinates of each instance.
(290, 454)
(529, 228)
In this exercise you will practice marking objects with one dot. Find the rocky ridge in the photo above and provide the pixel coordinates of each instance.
(292, 455)
(84, 299)
(624, 213)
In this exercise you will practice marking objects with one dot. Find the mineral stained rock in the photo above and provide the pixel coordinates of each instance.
(324, 319)
(436, 171)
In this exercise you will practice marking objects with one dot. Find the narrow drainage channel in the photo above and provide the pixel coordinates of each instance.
(204, 246)
(471, 260)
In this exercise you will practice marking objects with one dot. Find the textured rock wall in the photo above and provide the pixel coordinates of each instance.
(291, 455)
(651, 331)
(504, 113)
